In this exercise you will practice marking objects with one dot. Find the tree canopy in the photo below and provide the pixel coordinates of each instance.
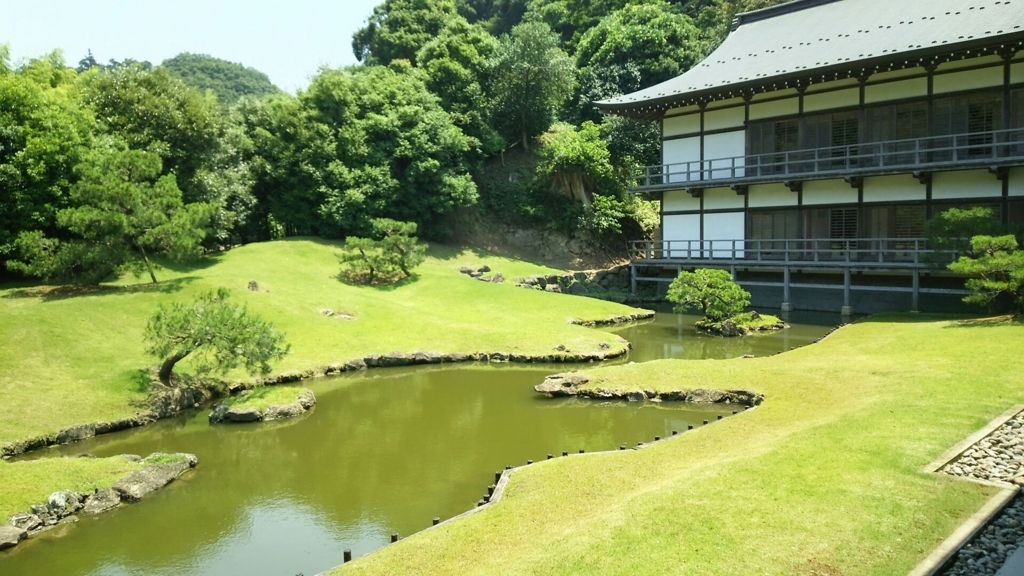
(229, 81)
(398, 29)
(122, 212)
(713, 292)
(532, 77)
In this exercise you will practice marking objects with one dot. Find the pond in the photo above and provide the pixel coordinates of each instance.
(383, 452)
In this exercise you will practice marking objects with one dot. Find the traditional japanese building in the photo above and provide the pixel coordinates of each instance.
(808, 150)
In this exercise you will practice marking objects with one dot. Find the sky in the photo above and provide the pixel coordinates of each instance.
(289, 41)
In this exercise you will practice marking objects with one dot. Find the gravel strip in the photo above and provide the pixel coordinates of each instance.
(986, 553)
(998, 457)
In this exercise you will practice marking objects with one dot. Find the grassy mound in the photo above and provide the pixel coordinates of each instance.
(824, 478)
(31, 482)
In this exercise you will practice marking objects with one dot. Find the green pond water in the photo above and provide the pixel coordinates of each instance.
(382, 452)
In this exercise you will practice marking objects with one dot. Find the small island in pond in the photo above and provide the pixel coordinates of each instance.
(722, 301)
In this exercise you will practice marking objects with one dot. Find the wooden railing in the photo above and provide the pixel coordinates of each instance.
(887, 252)
(919, 154)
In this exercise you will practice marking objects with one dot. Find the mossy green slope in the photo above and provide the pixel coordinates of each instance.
(74, 358)
(824, 478)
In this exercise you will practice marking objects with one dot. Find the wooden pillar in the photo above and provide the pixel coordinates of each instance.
(847, 281)
(787, 306)
(916, 293)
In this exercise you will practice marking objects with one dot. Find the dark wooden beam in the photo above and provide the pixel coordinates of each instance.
(1000, 172)
(740, 189)
(794, 185)
(695, 192)
(854, 181)
(923, 177)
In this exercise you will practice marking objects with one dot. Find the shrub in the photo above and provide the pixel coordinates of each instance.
(215, 333)
(393, 253)
(997, 267)
(711, 291)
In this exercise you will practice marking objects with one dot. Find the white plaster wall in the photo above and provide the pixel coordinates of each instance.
(762, 96)
(968, 62)
(897, 73)
(817, 192)
(689, 124)
(893, 189)
(680, 228)
(785, 107)
(831, 85)
(720, 230)
(830, 100)
(678, 152)
(915, 87)
(721, 119)
(771, 195)
(725, 103)
(968, 80)
(679, 201)
(1017, 73)
(684, 110)
(1017, 182)
(722, 199)
(965, 184)
(724, 152)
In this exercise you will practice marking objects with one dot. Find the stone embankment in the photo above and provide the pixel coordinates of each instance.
(999, 457)
(63, 507)
(583, 283)
(227, 413)
(569, 384)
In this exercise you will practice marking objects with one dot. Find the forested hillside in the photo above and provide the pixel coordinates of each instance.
(456, 103)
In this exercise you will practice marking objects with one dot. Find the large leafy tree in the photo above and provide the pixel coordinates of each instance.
(154, 111)
(635, 47)
(44, 133)
(215, 334)
(498, 16)
(229, 81)
(576, 162)
(290, 155)
(399, 154)
(532, 77)
(398, 29)
(123, 211)
(456, 66)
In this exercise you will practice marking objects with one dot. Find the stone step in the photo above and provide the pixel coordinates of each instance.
(1014, 565)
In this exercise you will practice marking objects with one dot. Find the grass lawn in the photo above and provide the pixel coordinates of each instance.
(823, 479)
(264, 397)
(70, 357)
(31, 482)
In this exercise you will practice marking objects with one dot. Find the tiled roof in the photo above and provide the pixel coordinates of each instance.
(806, 38)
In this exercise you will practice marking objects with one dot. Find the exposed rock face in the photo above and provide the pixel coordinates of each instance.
(355, 365)
(568, 384)
(101, 500)
(562, 384)
(140, 483)
(27, 522)
(393, 359)
(227, 413)
(10, 536)
(612, 279)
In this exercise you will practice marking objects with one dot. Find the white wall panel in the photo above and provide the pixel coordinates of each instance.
(724, 154)
(968, 80)
(915, 87)
(897, 74)
(720, 230)
(721, 119)
(785, 107)
(681, 228)
(689, 124)
(818, 192)
(965, 184)
(722, 199)
(1017, 182)
(771, 195)
(831, 100)
(893, 189)
(1017, 73)
(683, 110)
(680, 152)
(679, 201)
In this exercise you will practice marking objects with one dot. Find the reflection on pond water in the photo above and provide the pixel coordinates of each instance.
(382, 452)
